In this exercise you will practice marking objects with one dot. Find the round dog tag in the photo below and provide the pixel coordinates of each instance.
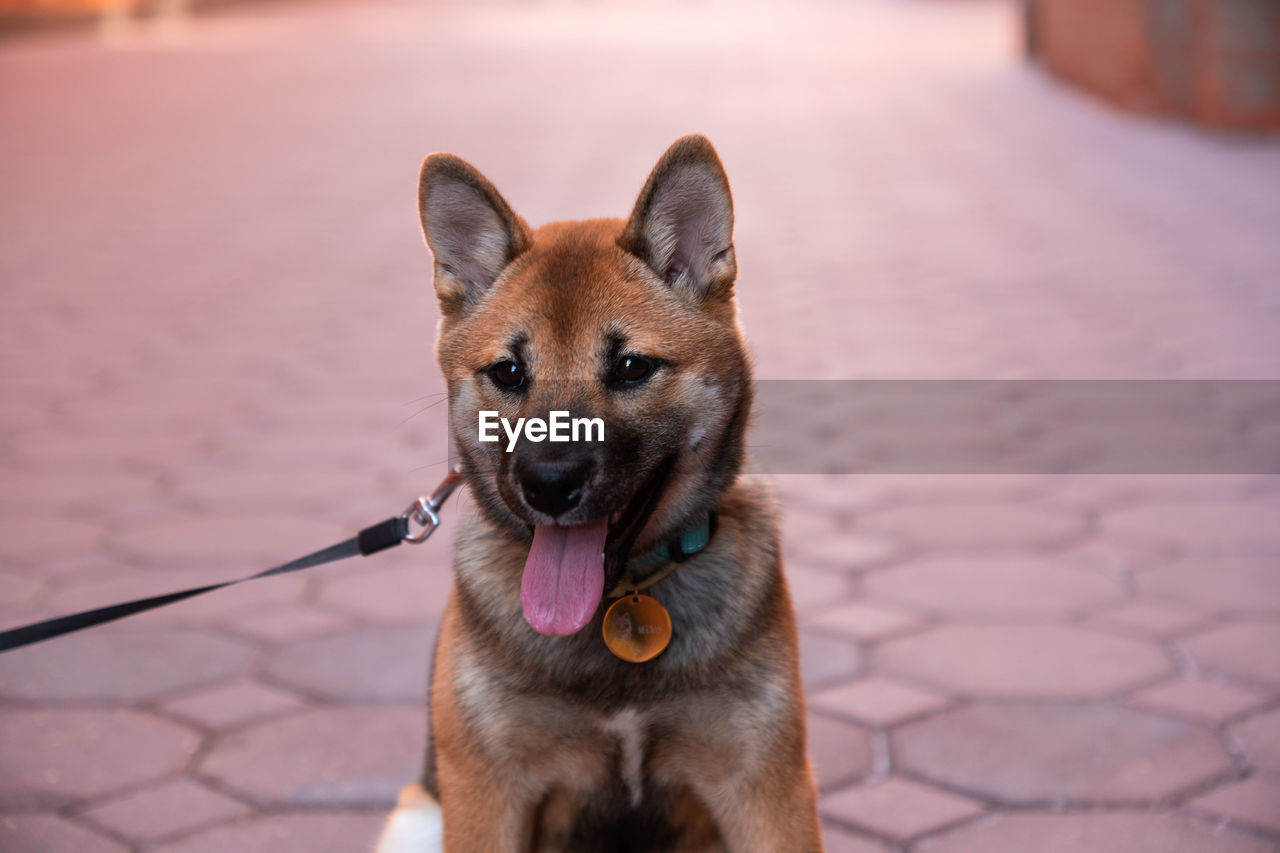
(637, 628)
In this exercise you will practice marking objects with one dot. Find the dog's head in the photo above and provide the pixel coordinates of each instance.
(631, 323)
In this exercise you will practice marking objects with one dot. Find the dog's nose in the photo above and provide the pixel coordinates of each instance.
(554, 486)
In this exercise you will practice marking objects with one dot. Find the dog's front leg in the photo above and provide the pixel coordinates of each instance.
(772, 809)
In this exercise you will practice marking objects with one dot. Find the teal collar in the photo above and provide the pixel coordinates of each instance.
(676, 550)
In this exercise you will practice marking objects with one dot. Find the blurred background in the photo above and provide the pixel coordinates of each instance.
(215, 355)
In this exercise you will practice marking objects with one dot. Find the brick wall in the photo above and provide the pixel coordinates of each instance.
(1213, 61)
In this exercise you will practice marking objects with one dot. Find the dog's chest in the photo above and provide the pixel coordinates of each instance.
(622, 807)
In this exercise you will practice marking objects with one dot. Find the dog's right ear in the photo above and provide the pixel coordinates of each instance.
(472, 231)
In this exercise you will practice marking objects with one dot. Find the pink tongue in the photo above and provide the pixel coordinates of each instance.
(564, 576)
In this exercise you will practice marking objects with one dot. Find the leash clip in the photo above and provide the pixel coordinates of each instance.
(425, 512)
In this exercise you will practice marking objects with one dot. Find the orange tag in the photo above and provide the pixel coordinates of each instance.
(637, 628)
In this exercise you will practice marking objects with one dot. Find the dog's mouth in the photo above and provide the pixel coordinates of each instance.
(568, 565)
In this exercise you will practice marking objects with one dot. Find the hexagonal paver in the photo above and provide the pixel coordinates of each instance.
(1050, 587)
(842, 550)
(241, 543)
(326, 831)
(1150, 619)
(288, 623)
(95, 587)
(1023, 660)
(165, 810)
(812, 589)
(977, 525)
(839, 752)
(1093, 833)
(44, 537)
(1251, 802)
(18, 591)
(838, 841)
(338, 667)
(863, 620)
(877, 701)
(898, 808)
(46, 833)
(1238, 582)
(52, 758)
(121, 663)
(826, 660)
(1259, 737)
(410, 592)
(1235, 649)
(328, 757)
(1225, 526)
(1026, 754)
(1210, 701)
(233, 704)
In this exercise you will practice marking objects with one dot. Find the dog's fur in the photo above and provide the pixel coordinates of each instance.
(544, 743)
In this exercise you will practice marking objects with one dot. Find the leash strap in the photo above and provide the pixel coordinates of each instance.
(371, 540)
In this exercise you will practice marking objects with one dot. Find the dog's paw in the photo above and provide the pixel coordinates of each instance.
(416, 825)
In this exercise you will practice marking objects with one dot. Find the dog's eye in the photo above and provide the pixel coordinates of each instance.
(630, 370)
(507, 375)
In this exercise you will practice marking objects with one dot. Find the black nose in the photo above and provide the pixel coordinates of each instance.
(554, 486)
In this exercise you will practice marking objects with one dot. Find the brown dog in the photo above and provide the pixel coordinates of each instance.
(545, 737)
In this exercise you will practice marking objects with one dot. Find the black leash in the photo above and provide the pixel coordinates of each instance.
(378, 537)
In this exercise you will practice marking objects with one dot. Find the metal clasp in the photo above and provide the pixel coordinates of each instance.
(425, 512)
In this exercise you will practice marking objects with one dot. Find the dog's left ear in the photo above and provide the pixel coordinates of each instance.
(682, 225)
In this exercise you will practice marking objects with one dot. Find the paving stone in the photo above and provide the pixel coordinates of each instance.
(86, 494)
(1023, 660)
(43, 538)
(1114, 555)
(897, 808)
(1259, 737)
(865, 620)
(839, 752)
(233, 704)
(812, 589)
(269, 488)
(368, 665)
(18, 592)
(289, 623)
(970, 526)
(1234, 649)
(55, 758)
(1210, 701)
(878, 702)
(165, 810)
(977, 488)
(46, 833)
(1251, 803)
(329, 757)
(244, 543)
(1151, 620)
(1032, 587)
(1229, 527)
(825, 493)
(842, 550)
(838, 841)
(1027, 754)
(825, 660)
(1230, 582)
(120, 663)
(87, 590)
(322, 831)
(1094, 833)
(413, 590)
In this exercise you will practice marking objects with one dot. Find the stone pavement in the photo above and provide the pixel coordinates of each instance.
(215, 354)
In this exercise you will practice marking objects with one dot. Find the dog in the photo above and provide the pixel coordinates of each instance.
(558, 721)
